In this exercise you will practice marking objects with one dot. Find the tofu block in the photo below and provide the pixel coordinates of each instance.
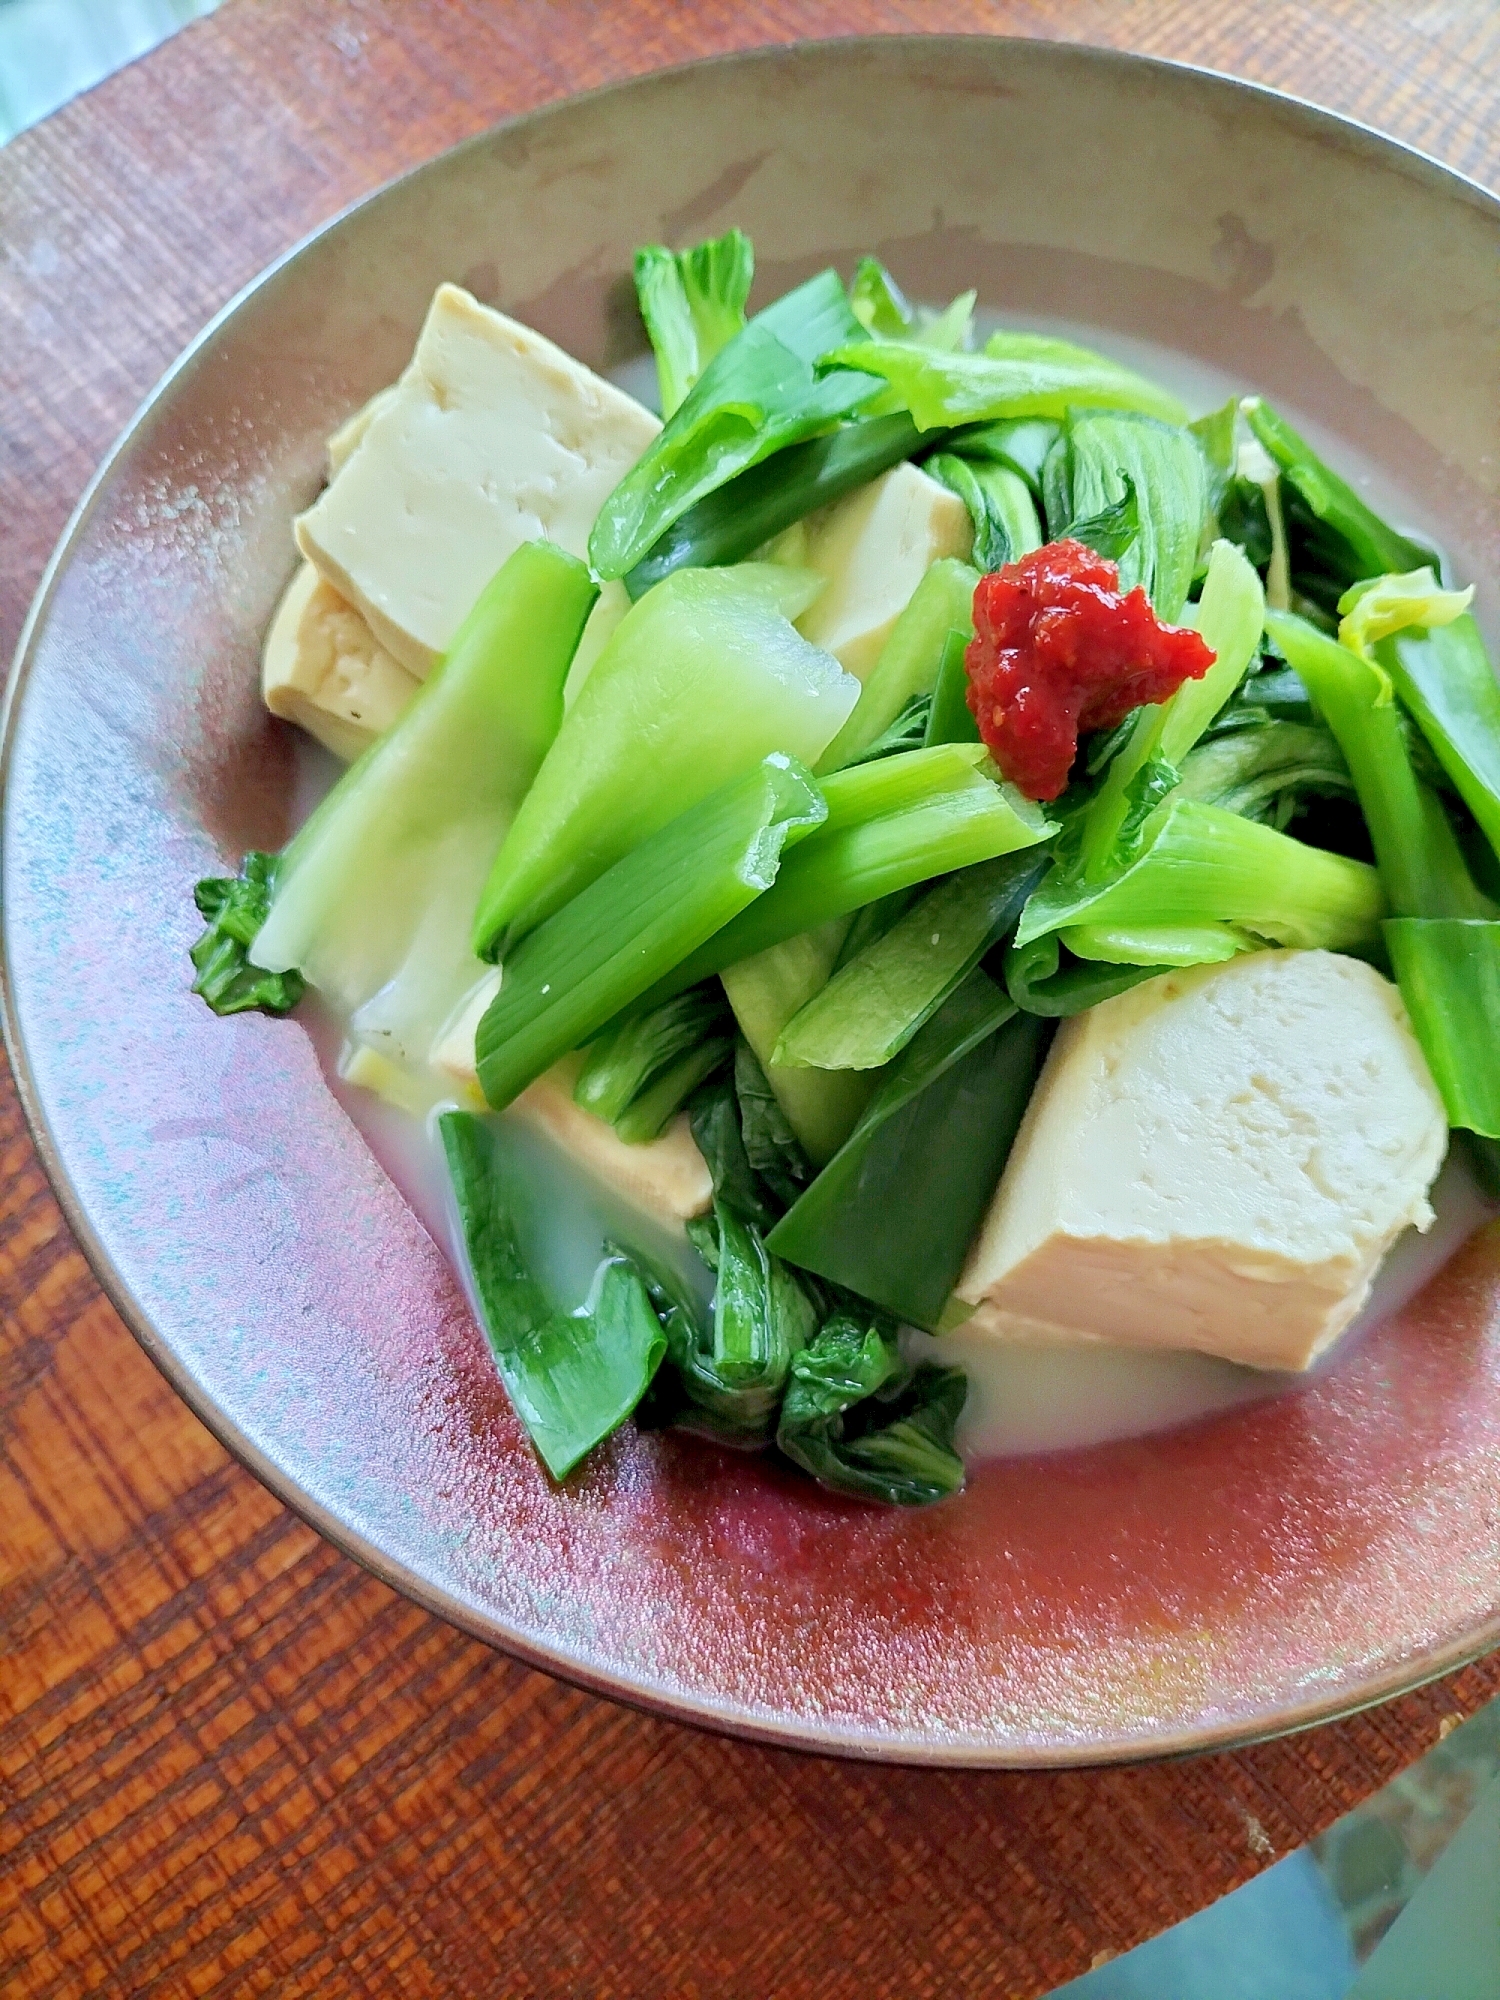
(874, 547)
(666, 1178)
(1217, 1159)
(340, 447)
(323, 667)
(492, 437)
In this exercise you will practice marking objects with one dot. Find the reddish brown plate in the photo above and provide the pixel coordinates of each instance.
(1249, 1573)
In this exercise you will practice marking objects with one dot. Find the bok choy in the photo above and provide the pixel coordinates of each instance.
(692, 303)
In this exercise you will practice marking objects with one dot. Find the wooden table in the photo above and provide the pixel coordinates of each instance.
(231, 1762)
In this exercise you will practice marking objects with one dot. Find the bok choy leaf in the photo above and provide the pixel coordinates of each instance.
(759, 394)
(1448, 969)
(1444, 677)
(572, 1378)
(1000, 506)
(1109, 457)
(736, 519)
(638, 920)
(892, 1214)
(692, 303)
(235, 907)
(1045, 980)
(863, 1423)
(1017, 375)
(639, 1073)
(950, 718)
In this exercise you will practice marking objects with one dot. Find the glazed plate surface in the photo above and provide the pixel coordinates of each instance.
(1259, 1569)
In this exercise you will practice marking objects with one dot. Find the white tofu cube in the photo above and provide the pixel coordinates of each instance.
(324, 668)
(491, 438)
(875, 546)
(666, 1178)
(1217, 1159)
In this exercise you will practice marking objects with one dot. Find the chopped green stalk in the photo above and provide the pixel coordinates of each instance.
(380, 884)
(757, 505)
(638, 920)
(693, 303)
(1156, 946)
(892, 1214)
(1022, 443)
(1199, 864)
(1445, 679)
(840, 1389)
(1449, 972)
(1361, 543)
(1108, 455)
(765, 992)
(759, 394)
(1420, 860)
(235, 907)
(909, 660)
(627, 1057)
(850, 865)
(648, 1115)
(1230, 616)
(701, 680)
(1017, 375)
(874, 1004)
(1045, 981)
(572, 1378)
(950, 718)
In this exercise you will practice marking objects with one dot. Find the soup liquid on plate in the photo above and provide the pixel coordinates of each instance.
(1023, 1397)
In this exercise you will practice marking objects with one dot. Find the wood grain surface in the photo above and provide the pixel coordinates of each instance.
(230, 1761)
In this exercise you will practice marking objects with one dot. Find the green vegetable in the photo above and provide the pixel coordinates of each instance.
(1442, 942)
(1449, 973)
(1045, 980)
(1017, 375)
(693, 303)
(649, 1062)
(1266, 773)
(759, 394)
(911, 730)
(380, 884)
(736, 519)
(1445, 679)
(766, 991)
(235, 907)
(701, 680)
(875, 1003)
(1229, 617)
(1107, 457)
(950, 719)
(909, 660)
(1199, 865)
(571, 1378)
(961, 818)
(736, 1116)
(1113, 532)
(762, 1317)
(892, 1214)
(638, 920)
(1337, 537)
(1421, 863)
(1384, 605)
(1000, 506)
(1022, 443)
(882, 310)
(841, 1386)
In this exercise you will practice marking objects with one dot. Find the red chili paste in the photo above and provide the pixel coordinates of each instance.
(1058, 650)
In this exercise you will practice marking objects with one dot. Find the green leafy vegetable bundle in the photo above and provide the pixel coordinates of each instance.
(803, 916)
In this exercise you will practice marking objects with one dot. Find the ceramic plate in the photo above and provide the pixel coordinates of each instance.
(1247, 1573)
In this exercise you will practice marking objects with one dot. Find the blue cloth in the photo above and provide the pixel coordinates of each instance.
(1281, 1937)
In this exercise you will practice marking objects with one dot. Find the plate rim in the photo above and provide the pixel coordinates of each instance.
(805, 1736)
